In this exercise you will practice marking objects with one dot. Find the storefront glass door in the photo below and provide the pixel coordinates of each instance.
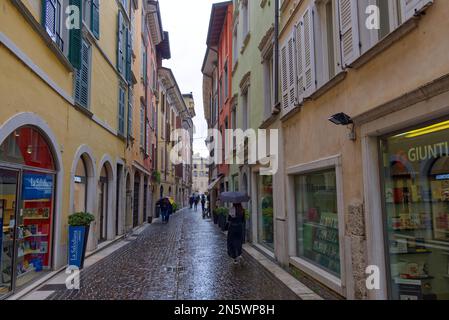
(34, 225)
(415, 172)
(8, 200)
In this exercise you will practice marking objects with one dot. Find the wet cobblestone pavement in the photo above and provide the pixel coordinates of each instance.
(184, 260)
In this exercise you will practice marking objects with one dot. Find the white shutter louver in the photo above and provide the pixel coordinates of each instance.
(349, 31)
(299, 61)
(291, 71)
(82, 78)
(412, 7)
(309, 53)
(284, 76)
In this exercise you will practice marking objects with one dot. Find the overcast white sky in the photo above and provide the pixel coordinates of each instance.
(188, 22)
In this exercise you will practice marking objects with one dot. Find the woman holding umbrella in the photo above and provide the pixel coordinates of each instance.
(236, 219)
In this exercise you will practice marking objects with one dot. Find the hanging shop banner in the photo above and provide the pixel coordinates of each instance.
(77, 237)
(37, 186)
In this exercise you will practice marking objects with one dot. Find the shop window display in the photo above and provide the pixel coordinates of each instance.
(265, 217)
(416, 204)
(317, 220)
(26, 157)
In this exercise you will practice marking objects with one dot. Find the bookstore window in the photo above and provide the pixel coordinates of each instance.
(26, 236)
(415, 170)
(317, 232)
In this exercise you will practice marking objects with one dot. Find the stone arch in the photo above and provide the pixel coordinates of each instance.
(32, 119)
(108, 164)
(85, 153)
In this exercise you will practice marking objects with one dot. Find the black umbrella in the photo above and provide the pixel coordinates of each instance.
(234, 197)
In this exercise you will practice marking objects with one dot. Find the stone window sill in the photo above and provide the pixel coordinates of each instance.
(83, 110)
(328, 85)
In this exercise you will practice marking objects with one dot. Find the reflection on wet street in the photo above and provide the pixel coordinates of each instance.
(185, 259)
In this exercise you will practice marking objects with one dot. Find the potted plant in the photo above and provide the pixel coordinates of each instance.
(215, 215)
(156, 177)
(79, 225)
(222, 217)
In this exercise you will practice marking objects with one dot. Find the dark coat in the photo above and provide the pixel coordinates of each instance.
(236, 235)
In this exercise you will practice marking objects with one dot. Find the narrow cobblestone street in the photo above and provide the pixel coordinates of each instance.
(185, 259)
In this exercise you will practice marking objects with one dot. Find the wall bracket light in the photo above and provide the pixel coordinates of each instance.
(342, 119)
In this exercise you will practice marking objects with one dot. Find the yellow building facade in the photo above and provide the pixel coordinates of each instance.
(76, 117)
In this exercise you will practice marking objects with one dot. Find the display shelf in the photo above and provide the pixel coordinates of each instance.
(36, 218)
(29, 252)
(317, 225)
(26, 272)
(413, 252)
(36, 236)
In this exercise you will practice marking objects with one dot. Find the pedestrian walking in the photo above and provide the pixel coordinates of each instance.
(197, 200)
(165, 209)
(236, 231)
(203, 204)
(191, 201)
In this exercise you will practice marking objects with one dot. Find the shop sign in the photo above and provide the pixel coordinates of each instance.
(37, 186)
(432, 151)
(76, 245)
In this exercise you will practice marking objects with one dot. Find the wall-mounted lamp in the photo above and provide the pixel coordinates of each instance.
(342, 119)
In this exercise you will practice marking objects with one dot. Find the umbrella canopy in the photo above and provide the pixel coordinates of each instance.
(234, 197)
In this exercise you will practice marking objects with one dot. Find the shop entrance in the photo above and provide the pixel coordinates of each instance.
(27, 176)
(103, 207)
(136, 200)
(415, 176)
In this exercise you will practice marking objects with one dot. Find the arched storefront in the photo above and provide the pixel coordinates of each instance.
(103, 205)
(27, 207)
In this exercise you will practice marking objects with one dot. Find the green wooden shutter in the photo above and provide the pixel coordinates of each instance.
(82, 78)
(95, 20)
(121, 111)
(128, 55)
(120, 43)
(76, 39)
(130, 112)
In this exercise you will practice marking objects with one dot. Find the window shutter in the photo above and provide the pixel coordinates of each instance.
(300, 60)
(412, 7)
(128, 56)
(291, 61)
(309, 53)
(49, 16)
(76, 40)
(284, 77)
(120, 42)
(82, 78)
(349, 31)
(121, 111)
(130, 112)
(95, 18)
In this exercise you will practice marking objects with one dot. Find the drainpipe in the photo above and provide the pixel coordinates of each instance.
(277, 107)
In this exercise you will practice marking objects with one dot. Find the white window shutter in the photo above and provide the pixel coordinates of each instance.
(299, 60)
(309, 53)
(349, 30)
(412, 7)
(284, 76)
(291, 60)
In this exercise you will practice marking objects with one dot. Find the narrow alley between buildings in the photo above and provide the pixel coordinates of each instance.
(185, 259)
